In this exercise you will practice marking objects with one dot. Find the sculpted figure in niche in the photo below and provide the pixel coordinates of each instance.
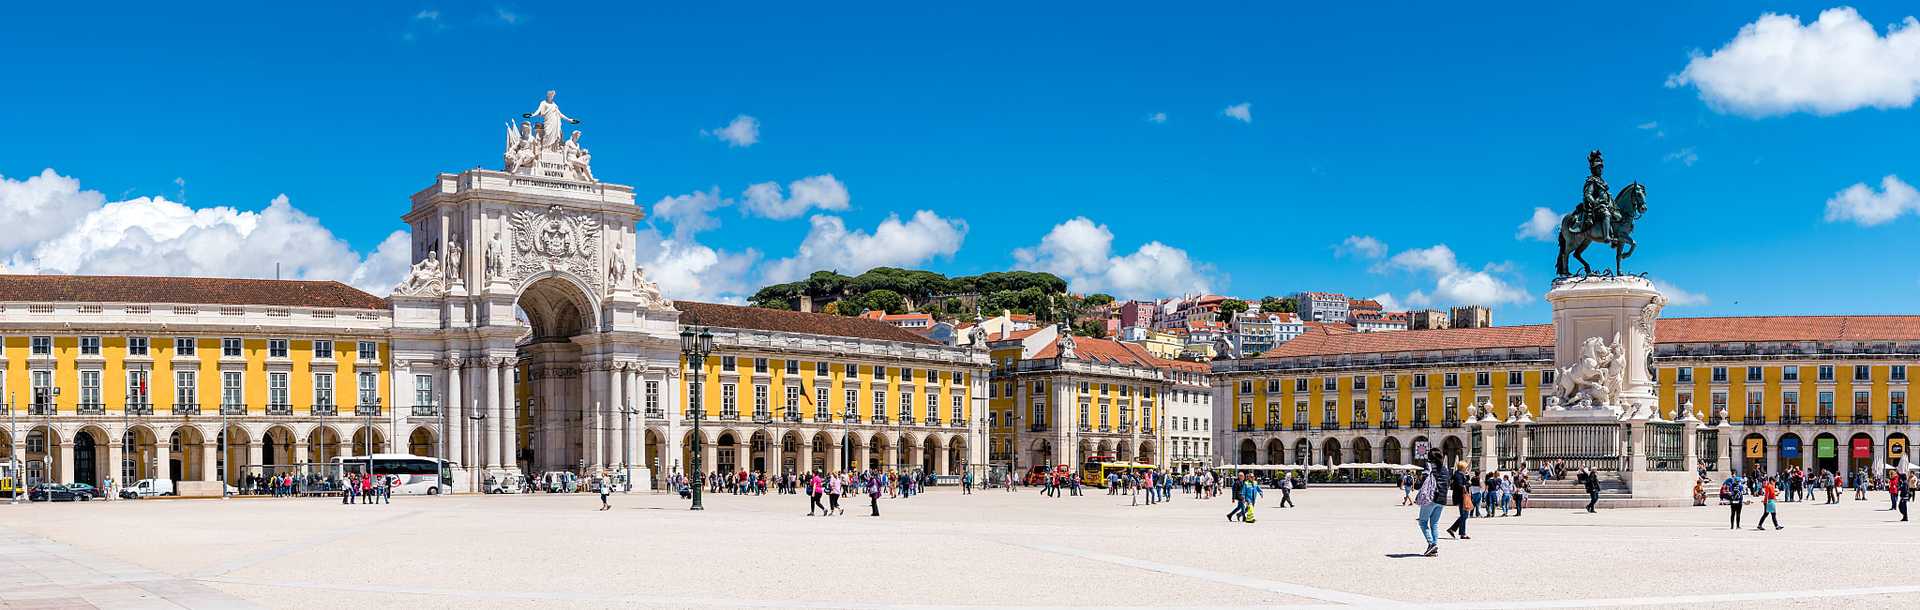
(579, 159)
(454, 259)
(496, 248)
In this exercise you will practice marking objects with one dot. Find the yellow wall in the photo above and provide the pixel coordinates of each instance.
(114, 364)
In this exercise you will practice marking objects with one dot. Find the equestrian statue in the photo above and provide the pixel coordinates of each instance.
(1601, 218)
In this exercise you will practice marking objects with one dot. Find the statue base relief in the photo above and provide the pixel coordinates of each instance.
(1603, 347)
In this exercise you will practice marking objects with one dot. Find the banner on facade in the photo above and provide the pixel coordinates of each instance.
(1789, 448)
(1420, 450)
(1756, 447)
(1825, 447)
(1896, 449)
(1862, 448)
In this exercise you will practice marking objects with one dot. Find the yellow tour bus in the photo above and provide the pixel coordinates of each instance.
(1095, 472)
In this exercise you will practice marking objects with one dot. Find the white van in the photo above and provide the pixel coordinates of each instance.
(147, 488)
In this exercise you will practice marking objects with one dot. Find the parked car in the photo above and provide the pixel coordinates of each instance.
(85, 491)
(52, 492)
(145, 488)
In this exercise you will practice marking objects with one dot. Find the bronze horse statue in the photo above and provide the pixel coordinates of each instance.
(1632, 203)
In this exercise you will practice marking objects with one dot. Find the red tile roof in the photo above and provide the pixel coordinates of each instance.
(755, 318)
(1110, 351)
(1324, 339)
(184, 290)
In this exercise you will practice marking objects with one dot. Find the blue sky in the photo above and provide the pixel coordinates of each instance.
(1415, 126)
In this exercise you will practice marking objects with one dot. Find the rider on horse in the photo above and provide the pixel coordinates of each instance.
(1596, 201)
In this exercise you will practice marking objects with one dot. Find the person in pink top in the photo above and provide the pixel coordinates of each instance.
(813, 492)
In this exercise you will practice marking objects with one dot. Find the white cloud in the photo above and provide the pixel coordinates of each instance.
(1364, 246)
(427, 15)
(1679, 297)
(1387, 302)
(690, 213)
(1861, 205)
(741, 132)
(1541, 226)
(894, 243)
(1453, 283)
(1655, 125)
(506, 16)
(1157, 117)
(1081, 252)
(822, 192)
(55, 227)
(1242, 112)
(1836, 64)
(687, 269)
(1684, 156)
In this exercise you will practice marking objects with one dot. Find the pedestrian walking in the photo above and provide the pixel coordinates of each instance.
(1286, 491)
(1768, 493)
(1250, 490)
(836, 486)
(1239, 503)
(1591, 480)
(604, 490)
(814, 493)
(1736, 498)
(1431, 498)
(1463, 500)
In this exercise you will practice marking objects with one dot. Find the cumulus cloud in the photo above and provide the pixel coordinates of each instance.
(1861, 205)
(1541, 226)
(1777, 65)
(1242, 112)
(812, 192)
(829, 244)
(1679, 297)
(741, 132)
(1081, 251)
(690, 213)
(56, 227)
(1387, 302)
(1454, 284)
(1157, 117)
(1363, 246)
(687, 269)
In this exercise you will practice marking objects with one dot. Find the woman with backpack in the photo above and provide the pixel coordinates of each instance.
(1431, 499)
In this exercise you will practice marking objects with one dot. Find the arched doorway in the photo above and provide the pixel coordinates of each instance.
(1453, 450)
(1042, 453)
(1362, 450)
(138, 456)
(1302, 452)
(655, 446)
(1754, 454)
(1247, 452)
(903, 452)
(367, 440)
(1860, 452)
(276, 451)
(957, 461)
(1826, 453)
(757, 448)
(1790, 451)
(931, 453)
(1330, 453)
(1896, 448)
(89, 456)
(42, 456)
(1390, 451)
(1276, 452)
(190, 450)
(421, 442)
(1149, 453)
(1420, 448)
(557, 307)
(726, 452)
(323, 444)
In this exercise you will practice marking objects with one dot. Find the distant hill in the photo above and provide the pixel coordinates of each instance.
(896, 290)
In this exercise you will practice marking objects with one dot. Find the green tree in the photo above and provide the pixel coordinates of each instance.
(777, 296)
(1229, 308)
(884, 300)
(1273, 304)
(1090, 328)
(1098, 299)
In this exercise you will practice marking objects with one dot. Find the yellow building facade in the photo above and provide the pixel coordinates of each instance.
(1818, 391)
(1056, 399)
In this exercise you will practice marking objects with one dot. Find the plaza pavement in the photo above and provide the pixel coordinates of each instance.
(1340, 547)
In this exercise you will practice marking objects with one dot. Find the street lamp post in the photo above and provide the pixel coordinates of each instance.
(13, 457)
(479, 419)
(626, 413)
(696, 347)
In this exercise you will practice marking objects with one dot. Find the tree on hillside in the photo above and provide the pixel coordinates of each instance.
(777, 296)
(1273, 304)
(1090, 328)
(1099, 298)
(884, 300)
(1230, 308)
(827, 285)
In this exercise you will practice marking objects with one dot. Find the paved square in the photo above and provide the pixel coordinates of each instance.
(1340, 547)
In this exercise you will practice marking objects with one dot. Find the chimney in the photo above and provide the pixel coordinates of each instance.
(806, 304)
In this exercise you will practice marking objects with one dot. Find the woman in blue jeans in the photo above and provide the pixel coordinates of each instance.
(1460, 482)
(1435, 488)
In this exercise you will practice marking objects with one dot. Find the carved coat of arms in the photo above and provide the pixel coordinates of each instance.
(555, 240)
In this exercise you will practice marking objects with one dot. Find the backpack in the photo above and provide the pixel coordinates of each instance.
(1425, 497)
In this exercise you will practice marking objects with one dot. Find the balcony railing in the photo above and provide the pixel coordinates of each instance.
(330, 409)
(729, 416)
(1359, 425)
(933, 421)
(1789, 420)
(280, 409)
(1450, 422)
(906, 420)
(42, 409)
(1273, 427)
(849, 419)
(233, 409)
(790, 416)
(139, 408)
(1827, 420)
(762, 418)
(1146, 429)
(1299, 426)
(426, 410)
(91, 408)
(822, 418)
(1037, 428)
(1243, 427)
(186, 408)
(957, 423)
(1086, 427)
(1897, 419)
(1418, 424)
(366, 410)
(655, 412)
(1329, 425)
(1389, 424)
(691, 413)
(1861, 419)
(879, 419)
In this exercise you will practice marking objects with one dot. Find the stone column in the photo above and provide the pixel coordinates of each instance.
(116, 453)
(633, 427)
(586, 409)
(710, 454)
(670, 402)
(804, 455)
(209, 456)
(616, 451)
(865, 456)
(454, 417)
(300, 454)
(1489, 444)
(66, 462)
(256, 453)
(488, 450)
(509, 415)
(1066, 416)
(163, 458)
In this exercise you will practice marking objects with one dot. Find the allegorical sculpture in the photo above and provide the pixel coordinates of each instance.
(1600, 218)
(1596, 378)
(542, 149)
(426, 278)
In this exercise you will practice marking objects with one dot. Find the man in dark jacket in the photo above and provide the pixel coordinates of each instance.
(1591, 480)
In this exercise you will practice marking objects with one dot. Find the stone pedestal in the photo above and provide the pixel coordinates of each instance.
(1617, 312)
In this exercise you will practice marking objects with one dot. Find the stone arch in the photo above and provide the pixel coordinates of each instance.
(879, 448)
(726, 451)
(1302, 451)
(653, 448)
(139, 455)
(90, 455)
(190, 450)
(1330, 453)
(1390, 452)
(1105, 448)
(1754, 464)
(42, 456)
(759, 444)
(1453, 450)
(957, 458)
(1276, 452)
(933, 452)
(1362, 450)
(1040, 451)
(1791, 450)
(276, 450)
(368, 440)
(1857, 463)
(1149, 453)
(323, 444)
(1248, 453)
(557, 305)
(423, 441)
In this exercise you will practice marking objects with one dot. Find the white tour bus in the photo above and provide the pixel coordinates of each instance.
(418, 475)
